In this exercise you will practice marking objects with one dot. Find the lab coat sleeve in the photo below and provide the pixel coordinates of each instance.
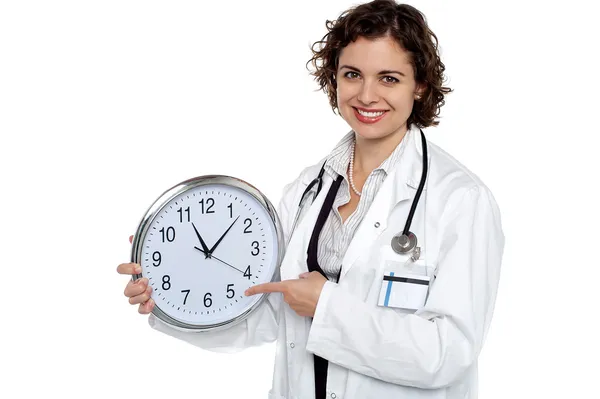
(258, 328)
(434, 346)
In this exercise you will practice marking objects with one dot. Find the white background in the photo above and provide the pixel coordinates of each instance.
(105, 104)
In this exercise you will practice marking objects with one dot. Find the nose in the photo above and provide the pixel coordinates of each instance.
(368, 93)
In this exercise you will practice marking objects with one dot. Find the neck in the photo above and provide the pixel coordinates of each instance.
(370, 153)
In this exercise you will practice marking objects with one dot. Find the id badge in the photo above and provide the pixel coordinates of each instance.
(403, 286)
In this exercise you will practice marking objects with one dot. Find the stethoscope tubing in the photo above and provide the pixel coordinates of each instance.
(413, 207)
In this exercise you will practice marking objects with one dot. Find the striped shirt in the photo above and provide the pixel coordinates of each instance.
(336, 236)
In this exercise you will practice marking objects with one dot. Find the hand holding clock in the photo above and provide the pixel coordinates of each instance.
(137, 291)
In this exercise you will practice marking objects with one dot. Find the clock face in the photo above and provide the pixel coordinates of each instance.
(203, 249)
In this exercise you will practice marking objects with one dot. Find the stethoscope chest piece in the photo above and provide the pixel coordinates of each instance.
(404, 244)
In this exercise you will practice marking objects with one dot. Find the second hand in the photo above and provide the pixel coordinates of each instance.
(222, 261)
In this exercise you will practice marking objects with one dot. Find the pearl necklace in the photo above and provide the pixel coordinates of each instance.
(351, 167)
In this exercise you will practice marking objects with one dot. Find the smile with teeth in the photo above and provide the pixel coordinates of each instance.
(370, 114)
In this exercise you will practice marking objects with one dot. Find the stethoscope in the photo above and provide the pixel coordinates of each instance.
(404, 243)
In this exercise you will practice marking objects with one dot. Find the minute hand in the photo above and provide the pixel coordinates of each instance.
(210, 251)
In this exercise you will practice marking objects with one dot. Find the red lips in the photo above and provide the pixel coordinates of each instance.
(368, 119)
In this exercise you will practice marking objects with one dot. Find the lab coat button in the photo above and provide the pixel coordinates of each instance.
(376, 226)
(292, 345)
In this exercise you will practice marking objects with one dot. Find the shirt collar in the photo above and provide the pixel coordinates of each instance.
(339, 158)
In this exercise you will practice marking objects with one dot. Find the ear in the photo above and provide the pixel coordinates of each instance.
(419, 91)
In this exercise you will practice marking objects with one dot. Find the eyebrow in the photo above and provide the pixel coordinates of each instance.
(384, 72)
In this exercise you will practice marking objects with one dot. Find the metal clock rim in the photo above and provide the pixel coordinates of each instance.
(178, 189)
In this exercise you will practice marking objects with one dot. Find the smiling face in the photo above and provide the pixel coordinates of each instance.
(376, 87)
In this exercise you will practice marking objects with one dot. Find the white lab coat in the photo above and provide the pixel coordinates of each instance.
(381, 352)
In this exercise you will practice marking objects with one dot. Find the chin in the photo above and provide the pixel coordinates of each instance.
(372, 132)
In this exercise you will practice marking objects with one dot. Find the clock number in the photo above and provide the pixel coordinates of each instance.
(249, 224)
(170, 234)
(230, 290)
(180, 211)
(209, 203)
(156, 258)
(255, 246)
(187, 292)
(166, 285)
(208, 300)
(247, 272)
(230, 206)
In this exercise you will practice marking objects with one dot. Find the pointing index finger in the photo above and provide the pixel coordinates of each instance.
(266, 288)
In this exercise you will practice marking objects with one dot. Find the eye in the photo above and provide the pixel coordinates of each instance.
(390, 79)
(351, 75)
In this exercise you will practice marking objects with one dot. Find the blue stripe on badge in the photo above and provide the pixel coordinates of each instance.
(389, 291)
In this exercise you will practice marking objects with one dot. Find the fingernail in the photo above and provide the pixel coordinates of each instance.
(149, 290)
(247, 292)
(138, 269)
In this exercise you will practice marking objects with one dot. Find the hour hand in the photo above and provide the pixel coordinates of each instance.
(204, 246)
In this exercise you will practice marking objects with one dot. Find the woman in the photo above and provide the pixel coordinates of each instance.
(338, 332)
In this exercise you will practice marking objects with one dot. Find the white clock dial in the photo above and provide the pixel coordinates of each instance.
(203, 249)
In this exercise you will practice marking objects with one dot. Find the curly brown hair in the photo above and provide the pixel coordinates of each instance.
(376, 19)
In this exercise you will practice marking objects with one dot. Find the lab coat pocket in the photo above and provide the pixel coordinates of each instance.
(402, 284)
(403, 289)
